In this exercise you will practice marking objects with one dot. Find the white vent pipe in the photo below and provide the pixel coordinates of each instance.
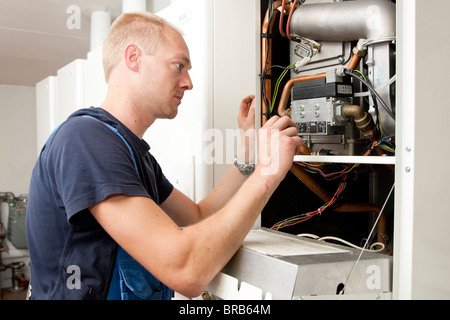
(134, 6)
(100, 24)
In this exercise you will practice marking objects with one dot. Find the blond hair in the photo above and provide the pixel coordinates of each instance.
(143, 29)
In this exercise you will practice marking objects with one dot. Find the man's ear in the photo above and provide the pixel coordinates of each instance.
(132, 57)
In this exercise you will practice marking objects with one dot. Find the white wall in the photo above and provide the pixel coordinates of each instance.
(17, 156)
(18, 137)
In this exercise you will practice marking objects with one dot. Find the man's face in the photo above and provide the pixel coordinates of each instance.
(166, 77)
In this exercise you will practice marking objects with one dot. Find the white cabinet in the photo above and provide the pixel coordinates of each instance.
(46, 92)
(57, 97)
(71, 88)
(95, 83)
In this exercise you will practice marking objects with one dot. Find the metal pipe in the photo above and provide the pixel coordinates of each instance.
(363, 120)
(369, 208)
(309, 182)
(288, 87)
(345, 21)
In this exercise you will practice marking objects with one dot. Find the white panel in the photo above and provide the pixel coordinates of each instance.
(96, 86)
(178, 144)
(404, 206)
(236, 68)
(421, 256)
(45, 109)
(71, 82)
(229, 288)
(430, 254)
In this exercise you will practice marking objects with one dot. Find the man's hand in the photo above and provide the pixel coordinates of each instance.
(278, 144)
(246, 121)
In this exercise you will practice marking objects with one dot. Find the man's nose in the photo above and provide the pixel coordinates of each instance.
(186, 82)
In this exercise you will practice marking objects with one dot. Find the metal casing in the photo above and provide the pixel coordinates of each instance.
(318, 269)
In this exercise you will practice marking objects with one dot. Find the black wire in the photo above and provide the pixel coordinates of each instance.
(263, 79)
(368, 85)
(271, 12)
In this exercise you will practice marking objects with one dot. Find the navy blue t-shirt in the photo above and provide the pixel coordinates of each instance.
(83, 163)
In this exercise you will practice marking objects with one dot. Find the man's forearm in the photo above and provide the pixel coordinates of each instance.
(216, 239)
(224, 191)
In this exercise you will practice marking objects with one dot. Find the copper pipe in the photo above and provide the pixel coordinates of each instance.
(356, 58)
(312, 185)
(288, 87)
(288, 27)
(290, 84)
(368, 207)
(267, 63)
(283, 5)
(305, 150)
(266, 56)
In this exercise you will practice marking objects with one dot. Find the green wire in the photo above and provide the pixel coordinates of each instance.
(277, 85)
(362, 74)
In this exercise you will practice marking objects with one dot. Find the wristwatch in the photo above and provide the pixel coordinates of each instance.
(245, 169)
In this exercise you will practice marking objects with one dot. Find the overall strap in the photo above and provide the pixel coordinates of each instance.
(129, 280)
(121, 137)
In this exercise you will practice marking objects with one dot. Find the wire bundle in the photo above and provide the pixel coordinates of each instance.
(316, 168)
(359, 76)
(277, 85)
(266, 36)
(383, 144)
(375, 247)
(272, 10)
(306, 216)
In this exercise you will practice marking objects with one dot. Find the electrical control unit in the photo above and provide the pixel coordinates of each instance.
(341, 53)
(317, 107)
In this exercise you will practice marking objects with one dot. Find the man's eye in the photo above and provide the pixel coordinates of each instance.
(180, 66)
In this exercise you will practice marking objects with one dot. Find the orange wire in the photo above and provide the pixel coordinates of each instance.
(294, 221)
(288, 27)
(281, 18)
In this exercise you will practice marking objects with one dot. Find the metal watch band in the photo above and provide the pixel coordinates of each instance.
(245, 169)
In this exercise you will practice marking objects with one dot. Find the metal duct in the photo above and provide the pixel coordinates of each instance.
(345, 21)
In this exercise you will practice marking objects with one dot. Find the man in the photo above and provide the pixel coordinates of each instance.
(98, 201)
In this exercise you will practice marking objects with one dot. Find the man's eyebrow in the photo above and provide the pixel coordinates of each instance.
(186, 60)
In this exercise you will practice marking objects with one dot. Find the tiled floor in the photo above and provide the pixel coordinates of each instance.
(8, 295)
